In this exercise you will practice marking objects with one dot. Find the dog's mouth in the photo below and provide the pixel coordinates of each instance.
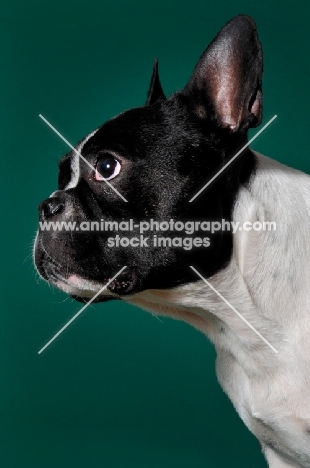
(84, 300)
(81, 287)
(124, 284)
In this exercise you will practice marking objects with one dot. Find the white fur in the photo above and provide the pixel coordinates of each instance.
(75, 162)
(268, 282)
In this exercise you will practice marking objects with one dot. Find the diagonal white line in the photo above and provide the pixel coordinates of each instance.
(81, 310)
(232, 307)
(81, 156)
(232, 159)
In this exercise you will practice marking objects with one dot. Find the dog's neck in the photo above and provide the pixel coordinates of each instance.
(267, 290)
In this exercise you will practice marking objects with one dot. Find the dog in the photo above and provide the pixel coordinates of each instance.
(147, 164)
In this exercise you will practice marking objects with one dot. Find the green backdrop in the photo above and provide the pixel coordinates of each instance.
(118, 388)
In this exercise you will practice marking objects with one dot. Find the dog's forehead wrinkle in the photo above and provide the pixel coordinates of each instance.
(146, 128)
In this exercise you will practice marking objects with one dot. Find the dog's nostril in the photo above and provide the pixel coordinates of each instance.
(50, 207)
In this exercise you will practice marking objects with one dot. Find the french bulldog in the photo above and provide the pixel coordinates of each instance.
(157, 157)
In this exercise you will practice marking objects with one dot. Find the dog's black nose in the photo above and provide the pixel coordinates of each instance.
(50, 207)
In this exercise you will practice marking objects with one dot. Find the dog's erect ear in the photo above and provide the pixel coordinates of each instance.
(228, 77)
(156, 91)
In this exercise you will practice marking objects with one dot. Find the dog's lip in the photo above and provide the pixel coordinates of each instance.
(122, 285)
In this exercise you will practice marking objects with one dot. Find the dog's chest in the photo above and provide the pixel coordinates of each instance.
(270, 401)
(274, 407)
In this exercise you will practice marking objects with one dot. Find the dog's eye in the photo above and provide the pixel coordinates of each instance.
(107, 167)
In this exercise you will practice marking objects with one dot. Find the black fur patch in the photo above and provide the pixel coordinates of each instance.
(168, 150)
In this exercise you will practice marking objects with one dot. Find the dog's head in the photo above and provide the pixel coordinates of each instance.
(157, 157)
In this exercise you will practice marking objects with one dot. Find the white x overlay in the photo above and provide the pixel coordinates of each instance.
(124, 199)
